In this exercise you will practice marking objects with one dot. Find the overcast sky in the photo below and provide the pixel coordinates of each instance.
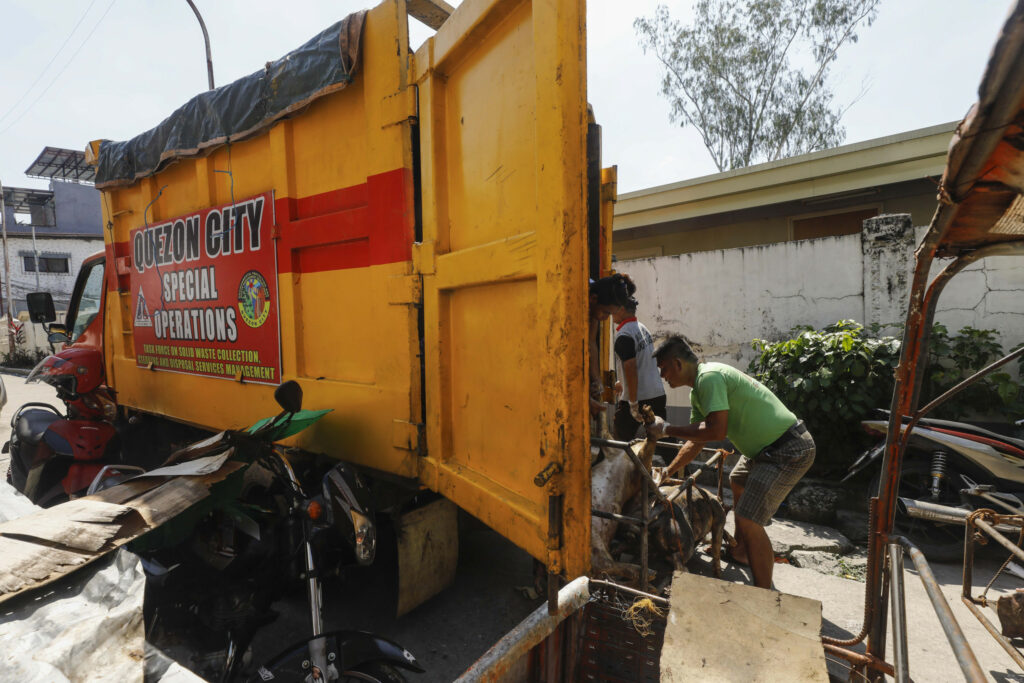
(129, 63)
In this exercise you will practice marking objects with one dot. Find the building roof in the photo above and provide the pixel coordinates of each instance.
(835, 172)
(63, 164)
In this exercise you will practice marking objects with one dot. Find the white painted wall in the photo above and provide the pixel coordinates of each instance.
(59, 285)
(723, 299)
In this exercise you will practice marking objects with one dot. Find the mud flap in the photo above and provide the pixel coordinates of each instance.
(428, 552)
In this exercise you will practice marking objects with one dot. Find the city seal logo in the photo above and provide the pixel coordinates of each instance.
(253, 299)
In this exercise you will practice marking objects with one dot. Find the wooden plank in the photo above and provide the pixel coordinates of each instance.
(720, 631)
(79, 524)
(24, 564)
(28, 564)
(433, 13)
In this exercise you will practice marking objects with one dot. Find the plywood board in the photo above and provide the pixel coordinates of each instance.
(720, 631)
(73, 534)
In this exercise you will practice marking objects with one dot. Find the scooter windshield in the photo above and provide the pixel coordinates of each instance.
(56, 371)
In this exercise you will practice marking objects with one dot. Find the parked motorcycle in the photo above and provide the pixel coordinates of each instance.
(949, 464)
(217, 583)
(55, 455)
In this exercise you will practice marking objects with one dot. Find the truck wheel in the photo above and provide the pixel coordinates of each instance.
(373, 672)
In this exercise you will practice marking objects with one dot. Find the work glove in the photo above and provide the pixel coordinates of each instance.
(656, 429)
(634, 410)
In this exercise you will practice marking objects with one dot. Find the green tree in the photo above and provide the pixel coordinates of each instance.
(732, 74)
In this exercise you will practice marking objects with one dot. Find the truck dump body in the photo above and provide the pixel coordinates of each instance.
(410, 245)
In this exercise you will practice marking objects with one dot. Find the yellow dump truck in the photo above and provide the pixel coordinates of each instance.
(408, 235)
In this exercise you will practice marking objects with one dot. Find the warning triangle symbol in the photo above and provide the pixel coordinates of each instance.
(142, 318)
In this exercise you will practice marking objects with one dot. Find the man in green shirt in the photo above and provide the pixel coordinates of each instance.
(777, 449)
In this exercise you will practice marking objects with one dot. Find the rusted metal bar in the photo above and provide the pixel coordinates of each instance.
(631, 591)
(972, 603)
(961, 649)
(716, 459)
(646, 521)
(529, 632)
(948, 394)
(869, 601)
(909, 375)
(860, 659)
(622, 519)
(899, 613)
(644, 472)
(664, 447)
(990, 627)
(1000, 539)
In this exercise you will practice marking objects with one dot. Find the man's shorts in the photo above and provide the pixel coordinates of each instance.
(771, 475)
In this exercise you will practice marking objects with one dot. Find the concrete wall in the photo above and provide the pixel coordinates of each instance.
(725, 298)
(59, 285)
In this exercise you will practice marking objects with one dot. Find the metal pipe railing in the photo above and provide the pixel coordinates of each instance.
(531, 631)
(954, 634)
(899, 613)
(968, 582)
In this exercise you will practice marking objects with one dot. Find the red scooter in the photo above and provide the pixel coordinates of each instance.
(55, 456)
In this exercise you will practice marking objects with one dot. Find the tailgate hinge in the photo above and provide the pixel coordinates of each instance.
(405, 289)
(399, 108)
(407, 435)
(424, 258)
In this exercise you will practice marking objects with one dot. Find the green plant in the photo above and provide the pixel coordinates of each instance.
(835, 376)
(832, 378)
(952, 359)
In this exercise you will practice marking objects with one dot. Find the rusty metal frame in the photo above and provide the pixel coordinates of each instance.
(649, 487)
(909, 375)
(985, 521)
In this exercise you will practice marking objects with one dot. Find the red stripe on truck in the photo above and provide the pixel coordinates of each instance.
(352, 227)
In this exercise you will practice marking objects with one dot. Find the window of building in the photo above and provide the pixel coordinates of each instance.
(47, 264)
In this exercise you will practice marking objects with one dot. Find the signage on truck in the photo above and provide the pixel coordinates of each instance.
(205, 289)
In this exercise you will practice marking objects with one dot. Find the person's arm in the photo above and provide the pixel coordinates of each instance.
(625, 349)
(684, 457)
(631, 379)
(713, 428)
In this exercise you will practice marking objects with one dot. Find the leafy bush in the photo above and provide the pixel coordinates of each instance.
(23, 358)
(835, 376)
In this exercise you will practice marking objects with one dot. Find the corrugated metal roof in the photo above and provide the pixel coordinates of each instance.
(63, 164)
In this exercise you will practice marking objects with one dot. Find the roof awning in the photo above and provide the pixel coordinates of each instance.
(62, 164)
(980, 200)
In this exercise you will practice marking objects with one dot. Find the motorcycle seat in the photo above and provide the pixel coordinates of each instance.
(32, 424)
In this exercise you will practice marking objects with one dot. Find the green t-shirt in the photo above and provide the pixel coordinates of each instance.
(756, 416)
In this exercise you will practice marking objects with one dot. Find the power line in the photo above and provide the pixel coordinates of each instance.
(49, 63)
(63, 69)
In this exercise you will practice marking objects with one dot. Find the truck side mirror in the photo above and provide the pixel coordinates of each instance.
(40, 307)
(57, 334)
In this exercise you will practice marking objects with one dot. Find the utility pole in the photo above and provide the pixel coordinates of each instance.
(7, 273)
(206, 39)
